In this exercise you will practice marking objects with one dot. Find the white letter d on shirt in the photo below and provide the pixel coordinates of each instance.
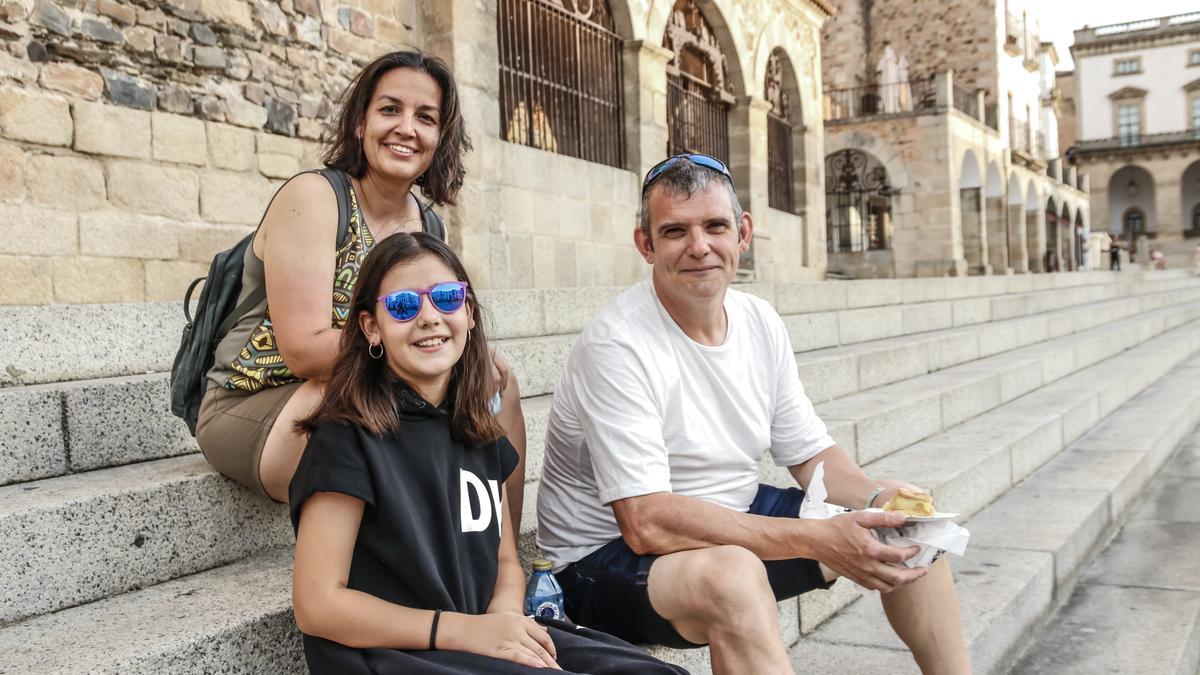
(468, 483)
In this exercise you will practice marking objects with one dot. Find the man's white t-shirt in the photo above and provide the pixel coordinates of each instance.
(642, 408)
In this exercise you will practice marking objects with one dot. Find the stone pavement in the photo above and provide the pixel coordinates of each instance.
(1137, 606)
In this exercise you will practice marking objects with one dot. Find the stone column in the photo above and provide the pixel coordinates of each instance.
(1018, 256)
(997, 239)
(645, 71)
(748, 164)
(463, 34)
(1167, 205)
(974, 230)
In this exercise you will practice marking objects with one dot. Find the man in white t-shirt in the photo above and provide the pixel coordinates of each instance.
(650, 506)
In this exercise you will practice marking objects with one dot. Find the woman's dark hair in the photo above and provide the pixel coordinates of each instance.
(362, 390)
(441, 181)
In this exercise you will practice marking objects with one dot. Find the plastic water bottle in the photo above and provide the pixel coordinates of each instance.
(543, 595)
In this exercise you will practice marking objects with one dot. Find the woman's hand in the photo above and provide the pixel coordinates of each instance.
(501, 635)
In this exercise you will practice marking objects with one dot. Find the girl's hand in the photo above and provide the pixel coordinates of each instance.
(501, 635)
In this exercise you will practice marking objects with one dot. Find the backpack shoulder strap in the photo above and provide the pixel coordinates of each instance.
(340, 183)
(431, 222)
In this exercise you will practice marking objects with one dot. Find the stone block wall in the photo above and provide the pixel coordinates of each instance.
(138, 138)
(935, 35)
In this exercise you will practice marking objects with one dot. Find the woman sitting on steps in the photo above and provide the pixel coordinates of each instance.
(399, 126)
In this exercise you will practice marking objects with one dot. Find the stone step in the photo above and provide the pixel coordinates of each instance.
(1137, 606)
(893, 416)
(235, 619)
(68, 427)
(139, 338)
(75, 539)
(1012, 576)
(973, 464)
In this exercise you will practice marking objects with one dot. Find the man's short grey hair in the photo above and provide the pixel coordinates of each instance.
(685, 179)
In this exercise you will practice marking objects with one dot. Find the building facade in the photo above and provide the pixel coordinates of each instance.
(138, 138)
(1137, 93)
(941, 143)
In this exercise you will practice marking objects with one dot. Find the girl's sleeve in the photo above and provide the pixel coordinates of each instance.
(333, 461)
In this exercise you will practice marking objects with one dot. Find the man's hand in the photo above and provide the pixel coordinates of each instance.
(890, 489)
(848, 547)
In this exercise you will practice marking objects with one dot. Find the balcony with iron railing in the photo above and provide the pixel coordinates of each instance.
(1139, 141)
(874, 100)
(918, 96)
(1022, 139)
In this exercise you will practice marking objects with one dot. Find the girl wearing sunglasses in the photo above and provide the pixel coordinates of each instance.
(406, 560)
(399, 130)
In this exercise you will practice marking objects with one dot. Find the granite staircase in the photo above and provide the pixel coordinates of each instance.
(1038, 406)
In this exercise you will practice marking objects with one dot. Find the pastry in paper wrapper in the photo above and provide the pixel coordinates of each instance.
(933, 537)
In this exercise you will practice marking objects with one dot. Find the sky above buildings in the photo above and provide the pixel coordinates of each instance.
(1060, 18)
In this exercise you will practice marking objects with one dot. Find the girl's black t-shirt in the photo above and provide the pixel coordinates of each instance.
(430, 531)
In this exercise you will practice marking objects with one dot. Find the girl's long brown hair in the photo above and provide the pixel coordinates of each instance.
(362, 390)
(441, 181)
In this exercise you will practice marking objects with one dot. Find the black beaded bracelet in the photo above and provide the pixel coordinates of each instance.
(437, 615)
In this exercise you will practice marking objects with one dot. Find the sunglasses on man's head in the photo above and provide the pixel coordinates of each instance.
(404, 305)
(695, 158)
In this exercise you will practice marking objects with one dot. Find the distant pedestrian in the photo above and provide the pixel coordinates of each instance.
(1157, 260)
(1114, 255)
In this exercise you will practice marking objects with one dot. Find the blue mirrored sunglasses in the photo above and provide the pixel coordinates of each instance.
(404, 305)
(695, 158)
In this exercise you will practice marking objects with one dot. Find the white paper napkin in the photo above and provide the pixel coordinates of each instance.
(933, 537)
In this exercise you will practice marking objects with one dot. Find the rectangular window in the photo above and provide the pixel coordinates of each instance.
(1193, 57)
(1127, 66)
(1195, 116)
(1129, 123)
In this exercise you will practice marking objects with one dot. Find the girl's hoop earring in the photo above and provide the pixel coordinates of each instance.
(371, 350)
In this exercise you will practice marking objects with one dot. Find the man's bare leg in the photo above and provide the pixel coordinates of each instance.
(925, 615)
(721, 596)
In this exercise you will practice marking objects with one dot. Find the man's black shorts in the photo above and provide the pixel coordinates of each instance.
(607, 589)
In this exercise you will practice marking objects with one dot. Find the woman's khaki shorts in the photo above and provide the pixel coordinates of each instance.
(233, 426)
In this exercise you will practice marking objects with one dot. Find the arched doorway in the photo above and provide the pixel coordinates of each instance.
(1189, 192)
(699, 92)
(1050, 262)
(858, 202)
(1131, 205)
